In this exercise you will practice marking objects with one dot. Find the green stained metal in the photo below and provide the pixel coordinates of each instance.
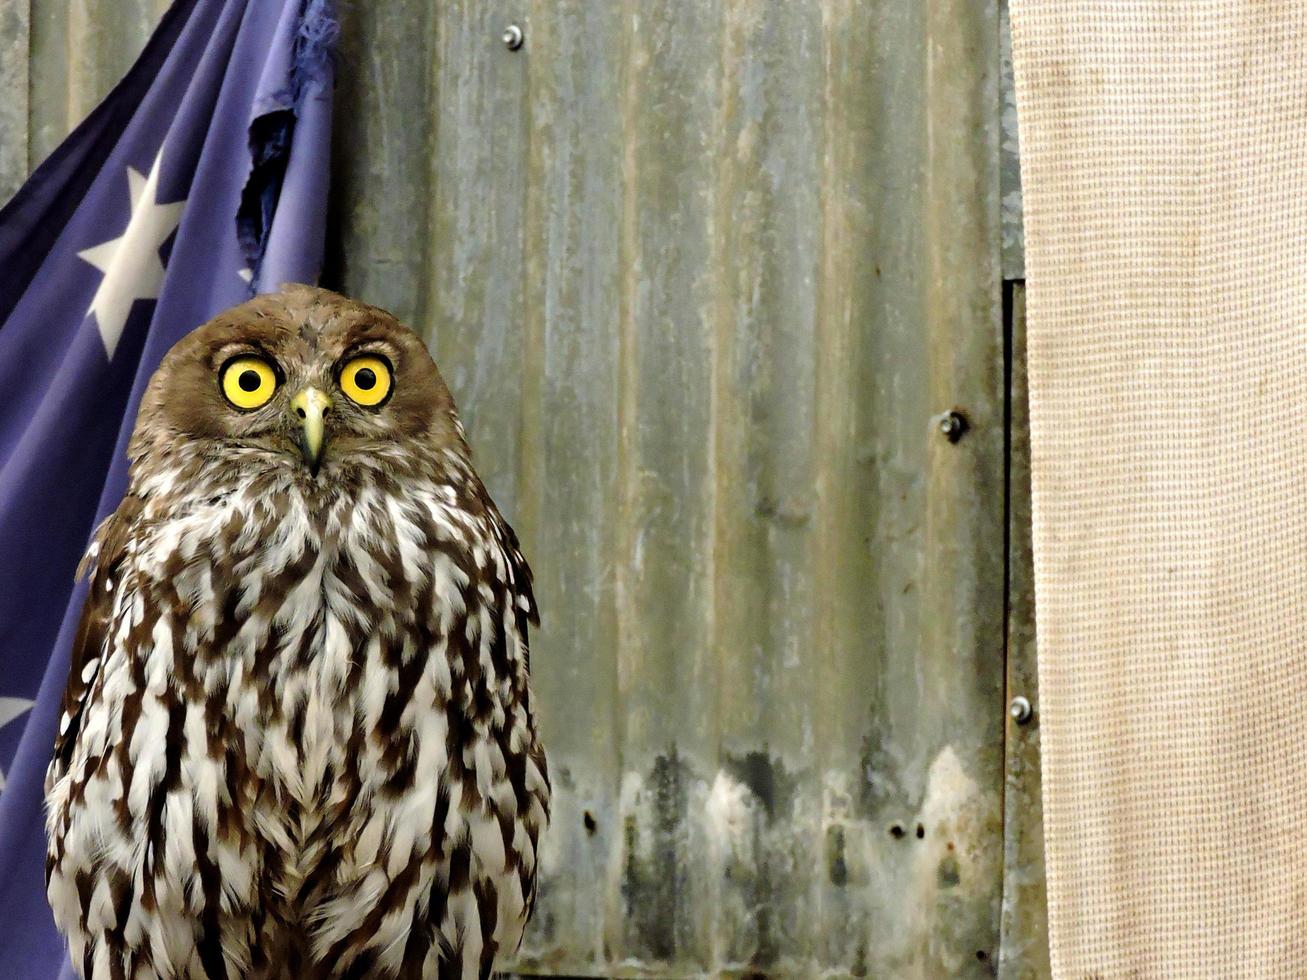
(15, 44)
(703, 276)
(79, 50)
(1014, 235)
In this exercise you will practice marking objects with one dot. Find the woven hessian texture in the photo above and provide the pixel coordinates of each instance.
(1164, 163)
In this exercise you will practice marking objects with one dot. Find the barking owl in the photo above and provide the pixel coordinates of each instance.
(298, 737)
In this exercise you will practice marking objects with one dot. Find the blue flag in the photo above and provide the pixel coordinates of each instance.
(198, 182)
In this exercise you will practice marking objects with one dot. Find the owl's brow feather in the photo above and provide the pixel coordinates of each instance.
(220, 355)
(369, 345)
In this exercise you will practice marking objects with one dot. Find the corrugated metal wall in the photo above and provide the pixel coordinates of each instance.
(704, 276)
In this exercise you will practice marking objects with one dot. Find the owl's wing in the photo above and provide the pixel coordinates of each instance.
(103, 565)
(521, 578)
(526, 614)
(520, 583)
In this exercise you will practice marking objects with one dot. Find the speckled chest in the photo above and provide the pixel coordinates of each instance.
(324, 705)
(310, 627)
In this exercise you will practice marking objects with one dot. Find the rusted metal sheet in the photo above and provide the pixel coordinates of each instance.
(704, 277)
(1024, 953)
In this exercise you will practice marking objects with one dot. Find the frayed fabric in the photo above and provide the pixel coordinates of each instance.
(308, 76)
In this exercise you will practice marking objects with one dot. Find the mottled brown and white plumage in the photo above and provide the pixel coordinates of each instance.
(298, 736)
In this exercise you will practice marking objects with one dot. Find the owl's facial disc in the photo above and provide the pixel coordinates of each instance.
(302, 385)
(310, 407)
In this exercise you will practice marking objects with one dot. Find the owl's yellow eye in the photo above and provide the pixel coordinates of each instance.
(366, 380)
(248, 382)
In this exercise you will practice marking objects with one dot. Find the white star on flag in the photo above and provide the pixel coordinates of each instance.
(130, 263)
(11, 708)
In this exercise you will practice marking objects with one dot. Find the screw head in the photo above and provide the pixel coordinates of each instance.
(1020, 710)
(952, 425)
(513, 37)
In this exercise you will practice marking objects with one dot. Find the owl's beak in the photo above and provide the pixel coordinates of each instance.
(309, 407)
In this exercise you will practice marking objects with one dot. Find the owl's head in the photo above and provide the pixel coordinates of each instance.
(303, 380)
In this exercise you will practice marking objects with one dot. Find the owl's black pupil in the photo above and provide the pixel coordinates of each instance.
(366, 379)
(249, 381)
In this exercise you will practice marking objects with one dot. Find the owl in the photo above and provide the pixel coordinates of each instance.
(298, 738)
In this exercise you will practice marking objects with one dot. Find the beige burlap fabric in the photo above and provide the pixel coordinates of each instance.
(1164, 159)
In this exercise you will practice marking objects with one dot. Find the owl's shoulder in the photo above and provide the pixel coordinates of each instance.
(102, 568)
(499, 551)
